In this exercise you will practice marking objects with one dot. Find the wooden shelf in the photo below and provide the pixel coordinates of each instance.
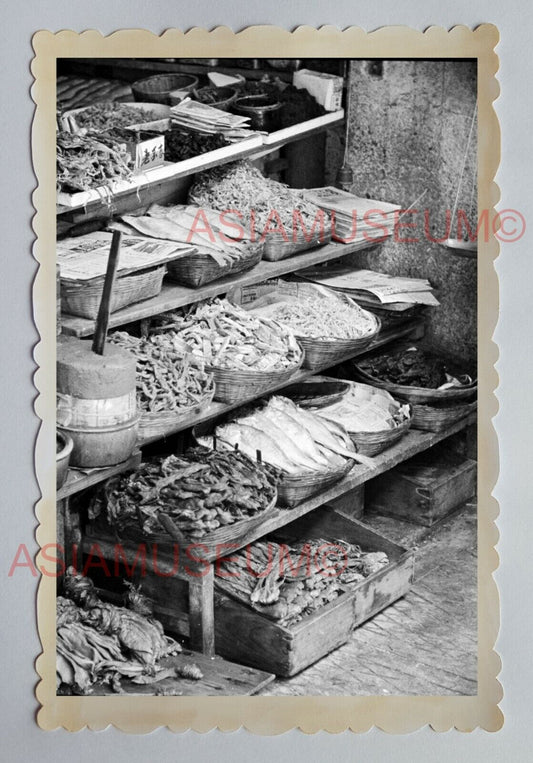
(173, 296)
(78, 479)
(414, 442)
(215, 409)
(252, 147)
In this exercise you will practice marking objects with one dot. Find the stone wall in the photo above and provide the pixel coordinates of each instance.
(408, 132)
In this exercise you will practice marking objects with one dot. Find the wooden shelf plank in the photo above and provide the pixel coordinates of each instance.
(169, 170)
(78, 480)
(173, 296)
(220, 678)
(252, 147)
(215, 409)
(415, 441)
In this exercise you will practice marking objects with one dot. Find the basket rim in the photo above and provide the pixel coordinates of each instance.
(140, 83)
(253, 375)
(424, 392)
(157, 416)
(383, 434)
(145, 274)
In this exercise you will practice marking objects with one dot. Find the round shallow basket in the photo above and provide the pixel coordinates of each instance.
(222, 99)
(162, 422)
(328, 352)
(417, 395)
(279, 247)
(372, 443)
(198, 269)
(435, 418)
(295, 488)
(84, 299)
(232, 386)
(317, 392)
(157, 89)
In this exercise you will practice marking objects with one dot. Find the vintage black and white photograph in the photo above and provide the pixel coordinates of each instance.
(266, 376)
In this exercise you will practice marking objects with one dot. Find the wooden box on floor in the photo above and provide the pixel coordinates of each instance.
(424, 489)
(243, 635)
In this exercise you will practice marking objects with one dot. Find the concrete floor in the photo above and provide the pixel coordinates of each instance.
(424, 644)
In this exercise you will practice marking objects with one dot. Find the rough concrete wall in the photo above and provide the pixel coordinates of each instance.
(409, 126)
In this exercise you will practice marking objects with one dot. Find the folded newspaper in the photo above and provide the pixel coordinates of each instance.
(84, 258)
(369, 285)
(352, 214)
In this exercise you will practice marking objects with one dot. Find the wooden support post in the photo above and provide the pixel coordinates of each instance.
(350, 504)
(202, 613)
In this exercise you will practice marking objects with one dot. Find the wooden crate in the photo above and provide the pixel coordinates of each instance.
(243, 635)
(424, 489)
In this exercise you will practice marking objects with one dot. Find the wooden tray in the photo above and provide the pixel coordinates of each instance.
(221, 679)
(245, 635)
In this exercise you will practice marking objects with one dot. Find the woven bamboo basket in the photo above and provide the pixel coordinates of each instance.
(417, 395)
(161, 423)
(232, 533)
(279, 248)
(231, 386)
(84, 299)
(317, 392)
(198, 269)
(321, 352)
(156, 89)
(372, 443)
(436, 418)
(293, 488)
(327, 352)
(223, 96)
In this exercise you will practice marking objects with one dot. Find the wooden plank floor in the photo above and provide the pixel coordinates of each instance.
(426, 643)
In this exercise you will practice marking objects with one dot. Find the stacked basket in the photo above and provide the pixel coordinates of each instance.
(433, 410)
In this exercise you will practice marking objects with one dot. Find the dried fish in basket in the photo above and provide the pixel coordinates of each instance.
(201, 491)
(171, 384)
(246, 353)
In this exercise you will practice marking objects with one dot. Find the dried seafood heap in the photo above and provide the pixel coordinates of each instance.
(87, 161)
(287, 582)
(167, 379)
(241, 186)
(100, 643)
(199, 491)
(413, 367)
(323, 318)
(226, 336)
(288, 437)
(107, 115)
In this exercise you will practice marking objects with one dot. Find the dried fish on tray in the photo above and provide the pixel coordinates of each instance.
(200, 491)
(273, 579)
(170, 383)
